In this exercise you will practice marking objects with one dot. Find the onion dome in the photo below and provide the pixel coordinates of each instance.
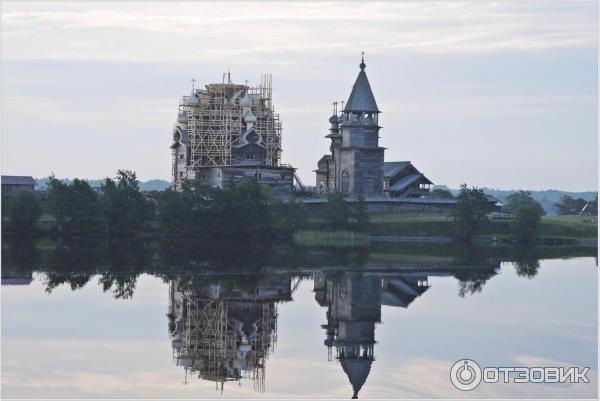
(250, 118)
(334, 119)
(246, 101)
(192, 99)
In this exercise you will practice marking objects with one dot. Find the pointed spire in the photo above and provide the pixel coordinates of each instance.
(361, 98)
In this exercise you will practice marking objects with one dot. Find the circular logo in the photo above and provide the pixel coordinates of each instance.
(465, 375)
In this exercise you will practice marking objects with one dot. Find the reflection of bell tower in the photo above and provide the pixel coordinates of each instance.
(222, 333)
(354, 307)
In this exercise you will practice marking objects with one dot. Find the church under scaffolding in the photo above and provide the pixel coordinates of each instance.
(229, 131)
(224, 335)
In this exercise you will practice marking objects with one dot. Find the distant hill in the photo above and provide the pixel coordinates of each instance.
(546, 198)
(150, 185)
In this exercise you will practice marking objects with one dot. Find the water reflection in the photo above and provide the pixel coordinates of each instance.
(224, 331)
(223, 301)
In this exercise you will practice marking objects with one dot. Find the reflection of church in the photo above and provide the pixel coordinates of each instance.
(353, 303)
(225, 334)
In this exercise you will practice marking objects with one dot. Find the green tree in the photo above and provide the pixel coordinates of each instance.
(569, 205)
(25, 211)
(517, 200)
(337, 212)
(125, 207)
(241, 209)
(525, 226)
(361, 216)
(173, 212)
(75, 206)
(470, 213)
(440, 193)
(527, 213)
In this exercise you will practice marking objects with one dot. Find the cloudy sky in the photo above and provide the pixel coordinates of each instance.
(492, 94)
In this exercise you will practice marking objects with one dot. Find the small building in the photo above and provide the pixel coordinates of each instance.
(402, 179)
(13, 183)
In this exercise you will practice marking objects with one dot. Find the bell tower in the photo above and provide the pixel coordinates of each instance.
(359, 165)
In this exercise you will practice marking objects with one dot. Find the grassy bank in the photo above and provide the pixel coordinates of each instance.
(438, 224)
(331, 238)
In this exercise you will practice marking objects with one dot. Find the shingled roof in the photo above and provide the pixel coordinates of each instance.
(361, 98)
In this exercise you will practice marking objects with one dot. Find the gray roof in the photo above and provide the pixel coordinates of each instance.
(357, 371)
(18, 180)
(390, 169)
(404, 182)
(361, 98)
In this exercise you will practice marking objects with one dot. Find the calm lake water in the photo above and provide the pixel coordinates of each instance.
(378, 324)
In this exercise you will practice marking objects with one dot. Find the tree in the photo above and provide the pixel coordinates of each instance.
(243, 209)
(528, 215)
(525, 226)
(337, 212)
(470, 213)
(76, 206)
(125, 207)
(517, 200)
(173, 212)
(569, 205)
(361, 216)
(440, 193)
(25, 210)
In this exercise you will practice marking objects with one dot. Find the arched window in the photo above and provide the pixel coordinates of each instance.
(345, 182)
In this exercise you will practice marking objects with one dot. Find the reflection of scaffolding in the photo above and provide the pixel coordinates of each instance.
(215, 121)
(223, 340)
(206, 336)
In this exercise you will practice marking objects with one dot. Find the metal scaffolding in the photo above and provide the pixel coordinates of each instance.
(212, 344)
(215, 121)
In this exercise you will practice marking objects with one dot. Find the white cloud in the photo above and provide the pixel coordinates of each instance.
(201, 31)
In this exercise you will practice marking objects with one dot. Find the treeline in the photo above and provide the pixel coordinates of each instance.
(473, 208)
(569, 205)
(120, 208)
(240, 209)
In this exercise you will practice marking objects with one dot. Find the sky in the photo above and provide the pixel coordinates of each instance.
(502, 95)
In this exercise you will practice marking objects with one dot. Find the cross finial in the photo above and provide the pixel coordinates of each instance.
(193, 83)
(246, 81)
(362, 61)
(335, 107)
(342, 102)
